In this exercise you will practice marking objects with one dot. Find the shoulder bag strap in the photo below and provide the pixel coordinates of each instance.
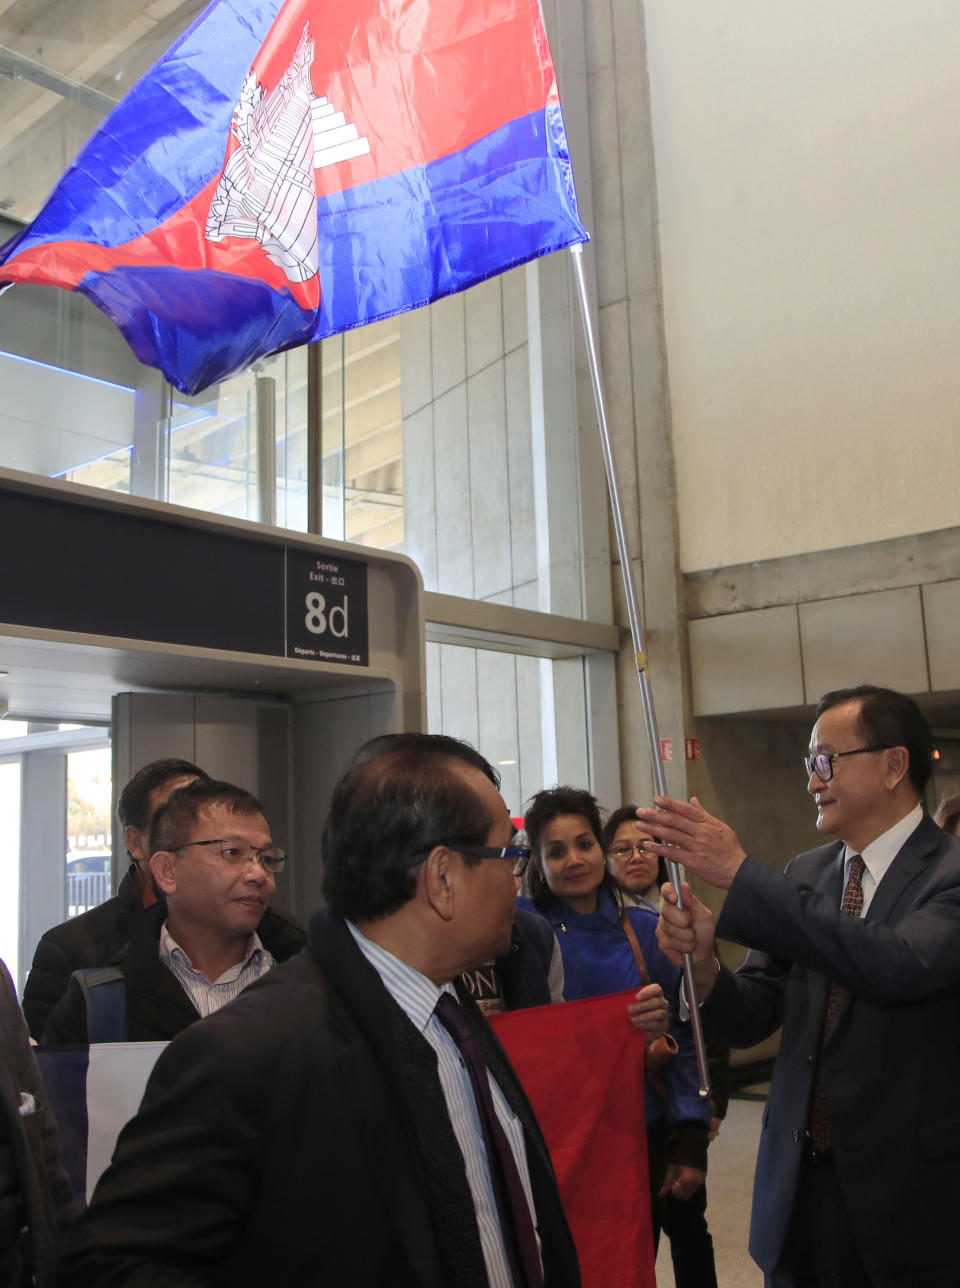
(631, 935)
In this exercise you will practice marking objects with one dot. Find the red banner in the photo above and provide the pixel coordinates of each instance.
(581, 1064)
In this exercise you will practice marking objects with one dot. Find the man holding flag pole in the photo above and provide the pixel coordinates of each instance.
(855, 952)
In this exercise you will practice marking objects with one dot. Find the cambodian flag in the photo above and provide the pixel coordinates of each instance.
(289, 170)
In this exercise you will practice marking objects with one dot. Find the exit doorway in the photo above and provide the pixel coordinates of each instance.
(55, 829)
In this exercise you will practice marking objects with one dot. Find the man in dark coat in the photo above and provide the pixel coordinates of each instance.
(323, 1128)
(95, 937)
(855, 950)
(35, 1195)
(213, 934)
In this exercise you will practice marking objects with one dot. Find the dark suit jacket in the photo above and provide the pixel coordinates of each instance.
(892, 1063)
(33, 1183)
(273, 1146)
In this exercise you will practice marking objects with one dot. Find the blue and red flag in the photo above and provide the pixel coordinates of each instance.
(292, 169)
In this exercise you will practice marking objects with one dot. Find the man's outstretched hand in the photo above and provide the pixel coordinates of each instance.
(689, 834)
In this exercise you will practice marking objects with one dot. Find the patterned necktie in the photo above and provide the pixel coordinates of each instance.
(516, 1222)
(818, 1126)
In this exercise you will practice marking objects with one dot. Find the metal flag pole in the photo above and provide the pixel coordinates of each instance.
(636, 634)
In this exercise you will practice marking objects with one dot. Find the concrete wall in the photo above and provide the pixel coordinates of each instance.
(752, 776)
(807, 203)
(778, 634)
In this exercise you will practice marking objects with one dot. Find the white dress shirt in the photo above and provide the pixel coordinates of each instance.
(879, 854)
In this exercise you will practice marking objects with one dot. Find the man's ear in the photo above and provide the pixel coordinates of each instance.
(898, 765)
(437, 878)
(133, 840)
(163, 866)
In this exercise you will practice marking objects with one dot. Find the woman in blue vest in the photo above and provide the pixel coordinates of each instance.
(568, 884)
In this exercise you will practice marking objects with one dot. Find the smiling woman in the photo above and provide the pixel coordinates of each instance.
(569, 885)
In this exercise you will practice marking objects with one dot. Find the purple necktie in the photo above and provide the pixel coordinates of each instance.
(817, 1123)
(516, 1222)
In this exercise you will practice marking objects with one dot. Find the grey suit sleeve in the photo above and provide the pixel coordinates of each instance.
(901, 961)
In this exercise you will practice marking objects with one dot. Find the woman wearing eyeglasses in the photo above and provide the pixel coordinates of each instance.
(638, 874)
(606, 952)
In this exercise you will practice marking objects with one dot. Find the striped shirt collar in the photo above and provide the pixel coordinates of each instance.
(416, 995)
(171, 953)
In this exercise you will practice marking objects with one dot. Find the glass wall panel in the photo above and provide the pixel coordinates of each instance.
(239, 449)
(525, 714)
(435, 429)
(55, 829)
(89, 781)
(363, 436)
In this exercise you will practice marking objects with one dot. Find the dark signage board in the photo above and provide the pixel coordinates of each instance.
(326, 608)
(101, 571)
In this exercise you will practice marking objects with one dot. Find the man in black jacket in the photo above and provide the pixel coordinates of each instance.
(317, 1130)
(214, 861)
(95, 937)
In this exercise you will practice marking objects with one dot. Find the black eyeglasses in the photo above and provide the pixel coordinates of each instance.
(822, 763)
(234, 851)
(519, 853)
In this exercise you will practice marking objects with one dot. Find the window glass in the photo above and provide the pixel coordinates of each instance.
(525, 714)
(363, 437)
(89, 780)
(239, 449)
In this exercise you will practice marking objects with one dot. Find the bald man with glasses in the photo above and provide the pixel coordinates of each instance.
(855, 951)
(213, 859)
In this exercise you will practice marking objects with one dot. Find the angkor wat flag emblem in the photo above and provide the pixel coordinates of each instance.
(267, 189)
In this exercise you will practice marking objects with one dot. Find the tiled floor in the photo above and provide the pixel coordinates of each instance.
(729, 1190)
